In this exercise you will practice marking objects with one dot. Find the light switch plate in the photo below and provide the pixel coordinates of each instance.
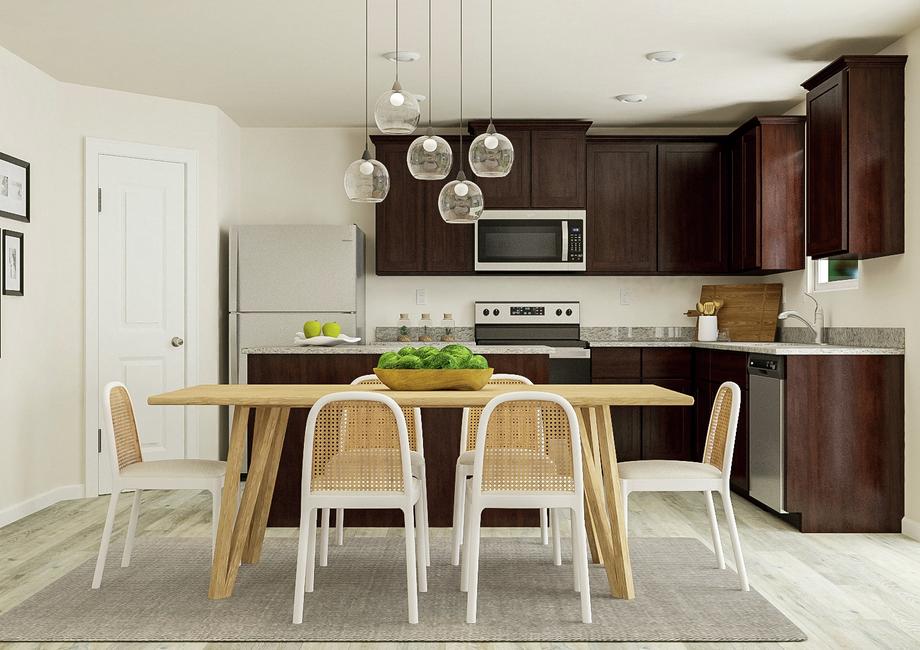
(625, 296)
(421, 297)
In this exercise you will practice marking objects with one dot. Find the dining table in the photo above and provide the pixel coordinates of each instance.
(243, 519)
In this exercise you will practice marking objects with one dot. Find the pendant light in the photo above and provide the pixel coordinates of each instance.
(460, 201)
(366, 180)
(429, 156)
(397, 111)
(491, 153)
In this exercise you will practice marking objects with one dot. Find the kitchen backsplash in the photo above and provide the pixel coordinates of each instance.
(871, 337)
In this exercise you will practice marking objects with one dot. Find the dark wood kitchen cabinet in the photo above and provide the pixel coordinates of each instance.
(549, 164)
(441, 429)
(411, 237)
(712, 368)
(768, 195)
(649, 432)
(855, 158)
(622, 213)
(692, 212)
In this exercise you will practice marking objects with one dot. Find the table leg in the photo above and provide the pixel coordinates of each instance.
(614, 499)
(232, 549)
(590, 527)
(253, 549)
(228, 499)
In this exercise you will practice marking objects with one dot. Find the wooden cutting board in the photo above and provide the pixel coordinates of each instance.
(749, 311)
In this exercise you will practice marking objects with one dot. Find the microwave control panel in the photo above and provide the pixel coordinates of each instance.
(575, 229)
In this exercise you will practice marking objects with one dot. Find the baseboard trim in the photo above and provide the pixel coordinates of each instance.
(911, 528)
(25, 508)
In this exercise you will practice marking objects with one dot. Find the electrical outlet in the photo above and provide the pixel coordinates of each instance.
(421, 297)
(625, 296)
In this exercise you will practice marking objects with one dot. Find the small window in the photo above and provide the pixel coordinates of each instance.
(834, 275)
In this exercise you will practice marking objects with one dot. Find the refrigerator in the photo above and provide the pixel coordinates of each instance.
(283, 276)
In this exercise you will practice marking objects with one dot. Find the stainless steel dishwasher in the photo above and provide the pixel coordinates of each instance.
(766, 464)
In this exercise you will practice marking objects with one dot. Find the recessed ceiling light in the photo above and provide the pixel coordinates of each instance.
(664, 56)
(403, 56)
(631, 99)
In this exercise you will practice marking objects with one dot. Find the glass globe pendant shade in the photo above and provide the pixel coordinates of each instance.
(367, 180)
(397, 111)
(491, 154)
(460, 201)
(429, 157)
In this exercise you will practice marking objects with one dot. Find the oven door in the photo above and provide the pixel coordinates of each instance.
(528, 241)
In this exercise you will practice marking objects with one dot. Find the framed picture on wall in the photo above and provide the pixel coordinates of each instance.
(14, 188)
(12, 263)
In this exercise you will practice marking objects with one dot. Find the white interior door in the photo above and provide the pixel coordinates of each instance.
(142, 296)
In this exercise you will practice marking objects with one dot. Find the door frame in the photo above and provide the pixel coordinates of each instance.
(93, 149)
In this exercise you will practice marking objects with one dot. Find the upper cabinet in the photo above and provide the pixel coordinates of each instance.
(411, 238)
(549, 165)
(855, 158)
(768, 195)
(657, 205)
(622, 214)
(692, 213)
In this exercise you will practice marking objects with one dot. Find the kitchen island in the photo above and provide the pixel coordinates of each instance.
(441, 427)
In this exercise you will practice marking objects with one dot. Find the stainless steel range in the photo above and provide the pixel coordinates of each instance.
(554, 324)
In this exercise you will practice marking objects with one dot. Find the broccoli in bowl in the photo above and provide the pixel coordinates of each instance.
(428, 357)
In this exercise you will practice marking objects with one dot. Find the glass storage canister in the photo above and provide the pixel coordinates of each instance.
(448, 324)
(424, 326)
(403, 326)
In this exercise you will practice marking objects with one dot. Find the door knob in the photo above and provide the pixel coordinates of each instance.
(177, 342)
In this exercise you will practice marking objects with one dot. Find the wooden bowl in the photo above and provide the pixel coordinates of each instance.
(422, 379)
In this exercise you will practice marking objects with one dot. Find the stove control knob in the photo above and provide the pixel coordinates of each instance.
(495, 312)
(485, 312)
(568, 312)
(558, 312)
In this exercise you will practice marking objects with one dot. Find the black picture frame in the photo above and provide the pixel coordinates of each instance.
(20, 261)
(27, 218)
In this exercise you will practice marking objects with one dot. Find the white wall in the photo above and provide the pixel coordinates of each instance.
(41, 369)
(886, 296)
(295, 176)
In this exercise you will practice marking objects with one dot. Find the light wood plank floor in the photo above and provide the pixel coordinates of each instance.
(844, 591)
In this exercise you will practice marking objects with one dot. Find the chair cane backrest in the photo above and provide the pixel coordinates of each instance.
(723, 424)
(471, 415)
(413, 415)
(120, 426)
(356, 441)
(528, 442)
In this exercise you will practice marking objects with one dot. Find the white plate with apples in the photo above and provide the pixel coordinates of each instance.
(326, 335)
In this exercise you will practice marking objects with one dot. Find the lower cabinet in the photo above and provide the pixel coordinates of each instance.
(649, 432)
(441, 429)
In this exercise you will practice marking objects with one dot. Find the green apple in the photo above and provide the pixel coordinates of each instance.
(332, 329)
(312, 328)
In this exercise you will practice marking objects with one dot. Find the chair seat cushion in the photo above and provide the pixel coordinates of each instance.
(178, 468)
(667, 469)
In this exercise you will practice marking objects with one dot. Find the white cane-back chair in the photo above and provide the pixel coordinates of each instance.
(710, 475)
(416, 455)
(528, 455)
(131, 472)
(464, 469)
(356, 455)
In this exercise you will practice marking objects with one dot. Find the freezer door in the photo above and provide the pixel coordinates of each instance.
(295, 268)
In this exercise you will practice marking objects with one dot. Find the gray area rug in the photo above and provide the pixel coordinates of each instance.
(361, 596)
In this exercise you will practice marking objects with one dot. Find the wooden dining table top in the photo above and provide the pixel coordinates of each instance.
(305, 395)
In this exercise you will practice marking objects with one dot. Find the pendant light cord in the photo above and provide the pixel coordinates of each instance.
(397, 41)
(366, 139)
(461, 86)
(429, 65)
(491, 39)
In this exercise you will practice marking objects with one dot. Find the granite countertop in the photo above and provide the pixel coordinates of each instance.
(380, 348)
(777, 347)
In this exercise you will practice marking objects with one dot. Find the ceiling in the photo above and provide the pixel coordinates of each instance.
(301, 63)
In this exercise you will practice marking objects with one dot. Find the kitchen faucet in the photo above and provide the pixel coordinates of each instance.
(817, 326)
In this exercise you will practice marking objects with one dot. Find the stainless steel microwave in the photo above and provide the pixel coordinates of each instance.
(530, 240)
